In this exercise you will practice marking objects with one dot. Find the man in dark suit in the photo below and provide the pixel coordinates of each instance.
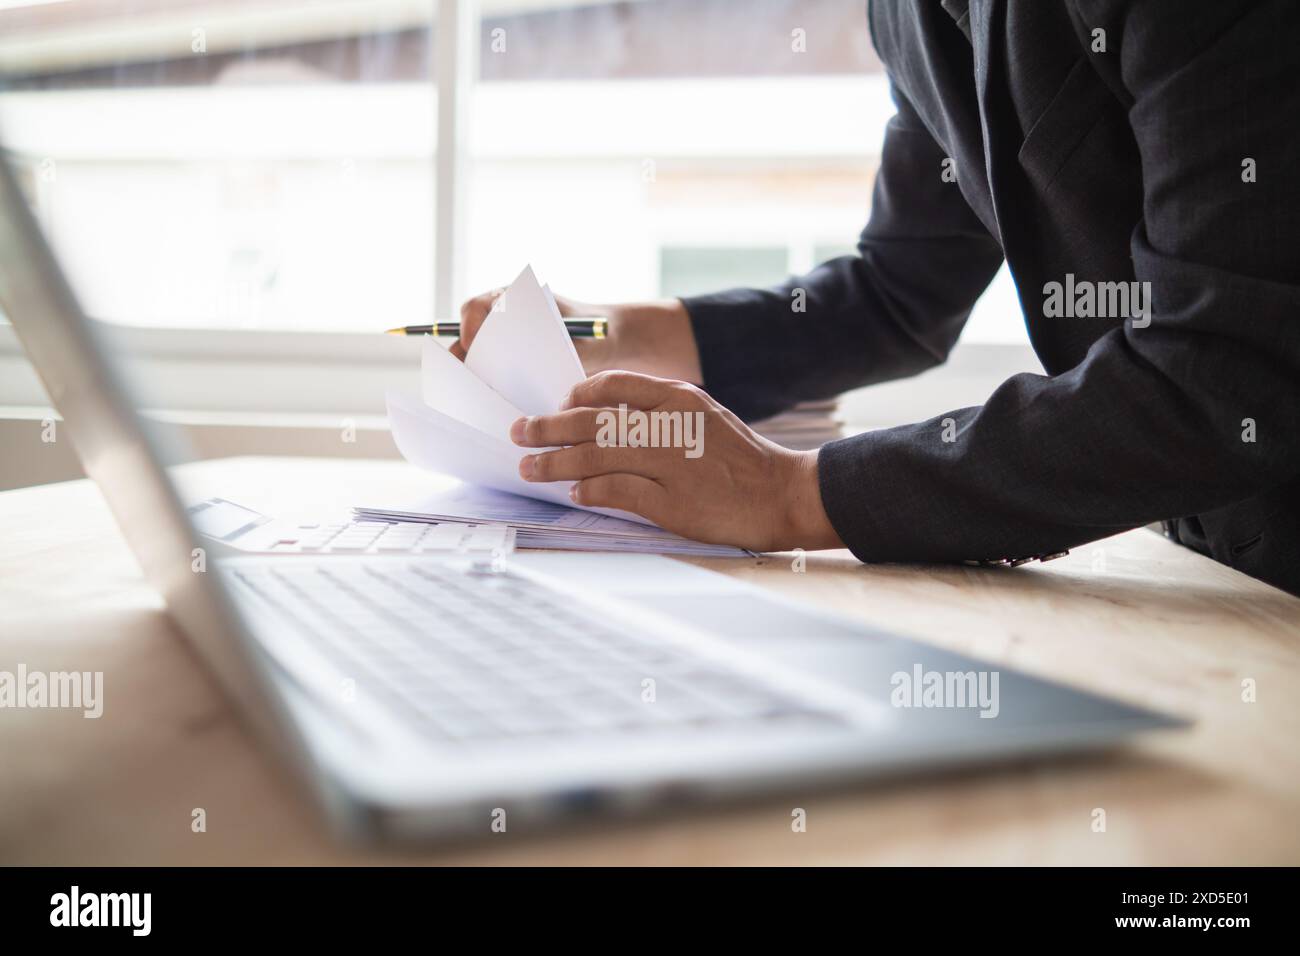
(1137, 164)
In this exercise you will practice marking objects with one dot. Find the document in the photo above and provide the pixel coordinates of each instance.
(522, 362)
(523, 351)
(471, 502)
(446, 445)
(448, 386)
(539, 524)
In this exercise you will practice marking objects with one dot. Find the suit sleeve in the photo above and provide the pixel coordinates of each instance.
(1153, 424)
(893, 310)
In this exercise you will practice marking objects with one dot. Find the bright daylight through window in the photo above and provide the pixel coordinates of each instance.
(271, 165)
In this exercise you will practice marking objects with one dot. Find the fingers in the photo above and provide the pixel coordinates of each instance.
(564, 428)
(615, 388)
(626, 492)
(472, 315)
(589, 459)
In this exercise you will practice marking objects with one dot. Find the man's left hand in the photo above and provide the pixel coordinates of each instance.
(710, 478)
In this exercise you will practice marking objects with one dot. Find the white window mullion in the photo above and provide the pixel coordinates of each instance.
(454, 65)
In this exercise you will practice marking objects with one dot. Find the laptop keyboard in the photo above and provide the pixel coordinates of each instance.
(398, 537)
(465, 655)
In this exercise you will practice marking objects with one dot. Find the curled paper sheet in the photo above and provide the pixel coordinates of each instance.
(450, 388)
(523, 351)
(522, 362)
(441, 444)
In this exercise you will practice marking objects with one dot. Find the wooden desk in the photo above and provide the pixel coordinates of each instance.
(1134, 616)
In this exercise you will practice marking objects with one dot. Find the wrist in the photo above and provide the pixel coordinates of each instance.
(655, 338)
(805, 523)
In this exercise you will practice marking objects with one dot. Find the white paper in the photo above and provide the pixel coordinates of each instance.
(523, 350)
(526, 538)
(440, 443)
(522, 362)
(474, 502)
(447, 386)
(550, 299)
(537, 524)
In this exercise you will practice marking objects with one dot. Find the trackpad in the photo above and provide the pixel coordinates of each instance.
(750, 618)
(849, 655)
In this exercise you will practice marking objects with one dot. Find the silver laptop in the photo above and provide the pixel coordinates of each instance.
(423, 696)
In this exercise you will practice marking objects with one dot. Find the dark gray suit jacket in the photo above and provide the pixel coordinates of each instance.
(1117, 159)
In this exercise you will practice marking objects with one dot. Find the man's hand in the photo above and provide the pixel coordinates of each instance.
(741, 489)
(652, 337)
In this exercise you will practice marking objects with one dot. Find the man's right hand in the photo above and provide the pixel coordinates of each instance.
(655, 338)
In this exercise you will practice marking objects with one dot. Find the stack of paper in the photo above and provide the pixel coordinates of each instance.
(806, 426)
(522, 362)
(540, 524)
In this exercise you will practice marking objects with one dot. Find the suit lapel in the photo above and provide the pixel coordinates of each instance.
(987, 19)
(959, 10)
(997, 119)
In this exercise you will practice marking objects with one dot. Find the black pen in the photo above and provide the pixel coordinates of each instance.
(593, 328)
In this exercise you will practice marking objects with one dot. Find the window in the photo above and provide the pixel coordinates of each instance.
(691, 270)
(233, 165)
(218, 174)
(612, 141)
(271, 165)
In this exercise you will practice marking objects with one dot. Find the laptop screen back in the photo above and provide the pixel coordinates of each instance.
(122, 452)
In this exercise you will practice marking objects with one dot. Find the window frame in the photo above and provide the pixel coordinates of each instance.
(342, 373)
(202, 362)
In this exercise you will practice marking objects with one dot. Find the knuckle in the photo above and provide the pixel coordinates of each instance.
(687, 393)
(617, 378)
(543, 467)
(533, 430)
(601, 381)
(587, 456)
(568, 428)
(578, 395)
